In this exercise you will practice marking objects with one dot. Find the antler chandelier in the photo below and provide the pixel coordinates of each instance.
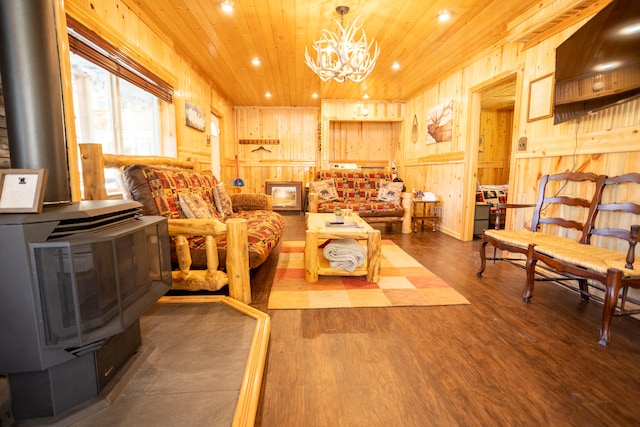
(340, 56)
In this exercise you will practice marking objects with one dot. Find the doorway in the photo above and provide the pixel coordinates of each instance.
(494, 117)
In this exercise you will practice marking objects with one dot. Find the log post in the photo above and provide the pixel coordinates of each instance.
(238, 260)
(92, 172)
(212, 253)
(183, 253)
(312, 203)
(406, 217)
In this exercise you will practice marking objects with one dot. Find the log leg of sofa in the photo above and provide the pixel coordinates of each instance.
(613, 285)
(406, 217)
(238, 260)
(530, 266)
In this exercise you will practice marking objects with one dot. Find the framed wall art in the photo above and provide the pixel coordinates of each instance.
(440, 122)
(540, 98)
(286, 195)
(22, 190)
(195, 117)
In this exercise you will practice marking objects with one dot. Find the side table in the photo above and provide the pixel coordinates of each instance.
(425, 210)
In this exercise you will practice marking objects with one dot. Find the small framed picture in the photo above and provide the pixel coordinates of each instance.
(22, 190)
(540, 98)
(286, 195)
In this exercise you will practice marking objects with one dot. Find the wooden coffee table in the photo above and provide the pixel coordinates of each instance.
(318, 232)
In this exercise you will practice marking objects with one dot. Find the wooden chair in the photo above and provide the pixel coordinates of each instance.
(611, 262)
(566, 220)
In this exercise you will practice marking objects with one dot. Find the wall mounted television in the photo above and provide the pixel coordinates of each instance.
(599, 65)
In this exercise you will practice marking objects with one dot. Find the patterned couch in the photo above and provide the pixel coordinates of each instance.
(371, 194)
(181, 194)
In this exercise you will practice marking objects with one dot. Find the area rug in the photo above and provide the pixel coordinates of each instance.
(403, 282)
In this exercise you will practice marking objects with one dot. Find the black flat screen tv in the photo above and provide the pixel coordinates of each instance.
(599, 65)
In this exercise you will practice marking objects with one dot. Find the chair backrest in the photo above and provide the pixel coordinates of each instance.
(615, 213)
(558, 200)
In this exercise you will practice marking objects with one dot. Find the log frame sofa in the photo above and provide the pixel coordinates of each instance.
(209, 253)
(609, 262)
(363, 191)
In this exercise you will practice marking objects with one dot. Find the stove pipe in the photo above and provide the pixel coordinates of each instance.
(32, 88)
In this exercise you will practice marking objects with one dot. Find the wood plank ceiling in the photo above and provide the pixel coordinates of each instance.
(222, 46)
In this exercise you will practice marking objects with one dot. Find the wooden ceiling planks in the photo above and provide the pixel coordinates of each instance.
(277, 31)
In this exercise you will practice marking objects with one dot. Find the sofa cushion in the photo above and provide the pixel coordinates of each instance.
(158, 188)
(356, 185)
(251, 202)
(326, 190)
(390, 191)
(194, 207)
(222, 200)
(264, 230)
(365, 209)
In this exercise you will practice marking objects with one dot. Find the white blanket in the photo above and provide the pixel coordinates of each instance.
(345, 254)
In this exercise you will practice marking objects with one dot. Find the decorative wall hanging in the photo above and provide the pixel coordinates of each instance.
(259, 141)
(414, 129)
(440, 123)
(195, 117)
(540, 98)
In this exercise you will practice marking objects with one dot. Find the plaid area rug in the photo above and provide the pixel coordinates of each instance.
(403, 282)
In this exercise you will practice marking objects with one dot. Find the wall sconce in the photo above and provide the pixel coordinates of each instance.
(364, 111)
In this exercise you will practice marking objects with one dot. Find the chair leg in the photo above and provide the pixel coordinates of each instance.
(530, 266)
(483, 258)
(584, 289)
(613, 285)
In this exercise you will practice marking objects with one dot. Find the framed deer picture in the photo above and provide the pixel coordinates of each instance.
(440, 122)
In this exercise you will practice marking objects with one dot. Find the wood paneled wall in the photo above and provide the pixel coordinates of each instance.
(367, 133)
(367, 144)
(606, 142)
(291, 159)
(122, 26)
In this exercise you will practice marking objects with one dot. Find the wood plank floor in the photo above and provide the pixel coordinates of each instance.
(498, 361)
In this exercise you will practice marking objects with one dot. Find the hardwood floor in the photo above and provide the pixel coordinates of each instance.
(498, 361)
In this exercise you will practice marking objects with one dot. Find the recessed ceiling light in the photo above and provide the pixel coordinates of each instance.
(314, 95)
(227, 6)
(444, 15)
(395, 65)
(268, 94)
(366, 96)
(255, 61)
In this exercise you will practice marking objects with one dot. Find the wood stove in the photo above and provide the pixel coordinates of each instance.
(75, 280)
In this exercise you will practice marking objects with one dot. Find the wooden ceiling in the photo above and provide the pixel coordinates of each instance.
(222, 46)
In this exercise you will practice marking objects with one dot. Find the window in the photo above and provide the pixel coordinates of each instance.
(111, 111)
(117, 102)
